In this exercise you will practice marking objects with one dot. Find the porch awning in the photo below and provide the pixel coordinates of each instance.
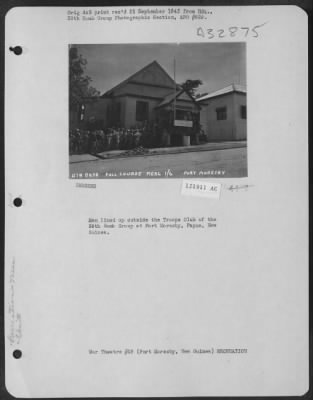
(172, 96)
(169, 99)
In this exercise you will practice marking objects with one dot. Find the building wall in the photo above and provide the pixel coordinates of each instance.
(115, 112)
(120, 111)
(240, 99)
(232, 128)
(218, 130)
(130, 110)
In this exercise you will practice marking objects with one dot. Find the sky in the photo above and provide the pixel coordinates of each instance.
(216, 64)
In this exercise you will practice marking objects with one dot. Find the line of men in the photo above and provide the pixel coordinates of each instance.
(84, 141)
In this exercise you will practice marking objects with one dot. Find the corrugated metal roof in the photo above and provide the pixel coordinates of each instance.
(228, 89)
(125, 81)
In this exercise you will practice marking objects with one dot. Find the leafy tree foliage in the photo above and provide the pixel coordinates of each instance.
(80, 87)
(191, 85)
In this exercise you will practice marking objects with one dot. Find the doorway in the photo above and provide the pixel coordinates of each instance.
(176, 140)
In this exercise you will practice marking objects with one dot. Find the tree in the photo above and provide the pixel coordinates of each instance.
(190, 85)
(79, 83)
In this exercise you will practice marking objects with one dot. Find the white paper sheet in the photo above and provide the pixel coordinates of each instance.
(175, 311)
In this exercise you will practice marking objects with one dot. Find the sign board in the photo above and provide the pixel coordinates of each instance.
(179, 122)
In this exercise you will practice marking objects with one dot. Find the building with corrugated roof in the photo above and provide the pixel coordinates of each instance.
(149, 96)
(223, 114)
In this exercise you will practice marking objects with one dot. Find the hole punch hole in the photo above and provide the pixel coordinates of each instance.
(17, 202)
(17, 354)
(17, 50)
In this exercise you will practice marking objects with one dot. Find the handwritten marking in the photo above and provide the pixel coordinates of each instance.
(11, 306)
(231, 31)
(15, 324)
(237, 188)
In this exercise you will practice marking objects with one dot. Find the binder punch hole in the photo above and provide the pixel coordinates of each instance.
(17, 354)
(17, 50)
(17, 202)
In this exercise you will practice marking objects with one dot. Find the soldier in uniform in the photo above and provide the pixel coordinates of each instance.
(137, 138)
(109, 139)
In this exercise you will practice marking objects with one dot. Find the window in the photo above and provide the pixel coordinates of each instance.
(221, 113)
(243, 112)
(183, 115)
(142, 111)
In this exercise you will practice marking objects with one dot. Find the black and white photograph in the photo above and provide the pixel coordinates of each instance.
(160, 110)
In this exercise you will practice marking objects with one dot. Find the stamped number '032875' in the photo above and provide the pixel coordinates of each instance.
(232, 31)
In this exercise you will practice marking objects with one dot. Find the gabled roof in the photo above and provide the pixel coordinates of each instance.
(228, 89)
(133, 76)
(170, 98)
